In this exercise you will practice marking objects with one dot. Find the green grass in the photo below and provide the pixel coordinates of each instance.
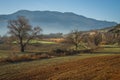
(42, 42)
(110, 46)
(109, 49)
(39, 42)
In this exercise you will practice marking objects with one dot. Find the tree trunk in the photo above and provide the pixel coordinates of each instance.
(22, 48)
(76, 47)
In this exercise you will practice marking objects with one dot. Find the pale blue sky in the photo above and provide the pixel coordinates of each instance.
(98, 9)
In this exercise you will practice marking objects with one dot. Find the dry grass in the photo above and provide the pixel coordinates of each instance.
(95, 68)
(23, 57)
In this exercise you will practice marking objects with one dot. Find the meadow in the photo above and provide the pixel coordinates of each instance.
(100, 65)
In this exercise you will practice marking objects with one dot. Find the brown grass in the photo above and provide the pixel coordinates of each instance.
(23, 57)
(59, 40)
(96, 68)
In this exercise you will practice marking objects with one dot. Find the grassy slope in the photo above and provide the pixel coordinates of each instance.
(78, 67)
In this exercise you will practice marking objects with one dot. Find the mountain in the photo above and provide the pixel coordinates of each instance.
(53, 21)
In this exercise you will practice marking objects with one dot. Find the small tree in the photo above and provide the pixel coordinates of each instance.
(22, 31)
(92, 40)
(74, 38)
(97, 39)
(89, 41)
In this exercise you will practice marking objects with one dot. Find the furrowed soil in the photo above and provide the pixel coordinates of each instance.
(106, 67)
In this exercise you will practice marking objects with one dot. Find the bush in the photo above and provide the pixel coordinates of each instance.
(57, 52)
(63, 52)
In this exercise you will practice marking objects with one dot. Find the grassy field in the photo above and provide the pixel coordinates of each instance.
(107, 49)
(87, 66)
(78, 67)
(40, 42)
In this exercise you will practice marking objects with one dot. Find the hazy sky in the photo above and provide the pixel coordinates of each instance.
(97, 9)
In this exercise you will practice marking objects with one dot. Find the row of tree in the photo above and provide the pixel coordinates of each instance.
(92, 41)
(83, 39)
(23, 32)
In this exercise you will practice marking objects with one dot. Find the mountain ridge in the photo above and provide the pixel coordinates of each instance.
(54, 21)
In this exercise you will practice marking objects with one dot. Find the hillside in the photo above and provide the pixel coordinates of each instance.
(115, 29)
(79, 67)
(53, 21)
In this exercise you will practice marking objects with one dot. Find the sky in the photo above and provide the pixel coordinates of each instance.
(98, 9)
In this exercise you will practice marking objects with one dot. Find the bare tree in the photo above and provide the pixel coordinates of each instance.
(74, 38)
(97, 39)
(92, 41)
(22, 31)
(88, 39)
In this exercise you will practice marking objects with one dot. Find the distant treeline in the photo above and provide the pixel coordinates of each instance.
(53, 35)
